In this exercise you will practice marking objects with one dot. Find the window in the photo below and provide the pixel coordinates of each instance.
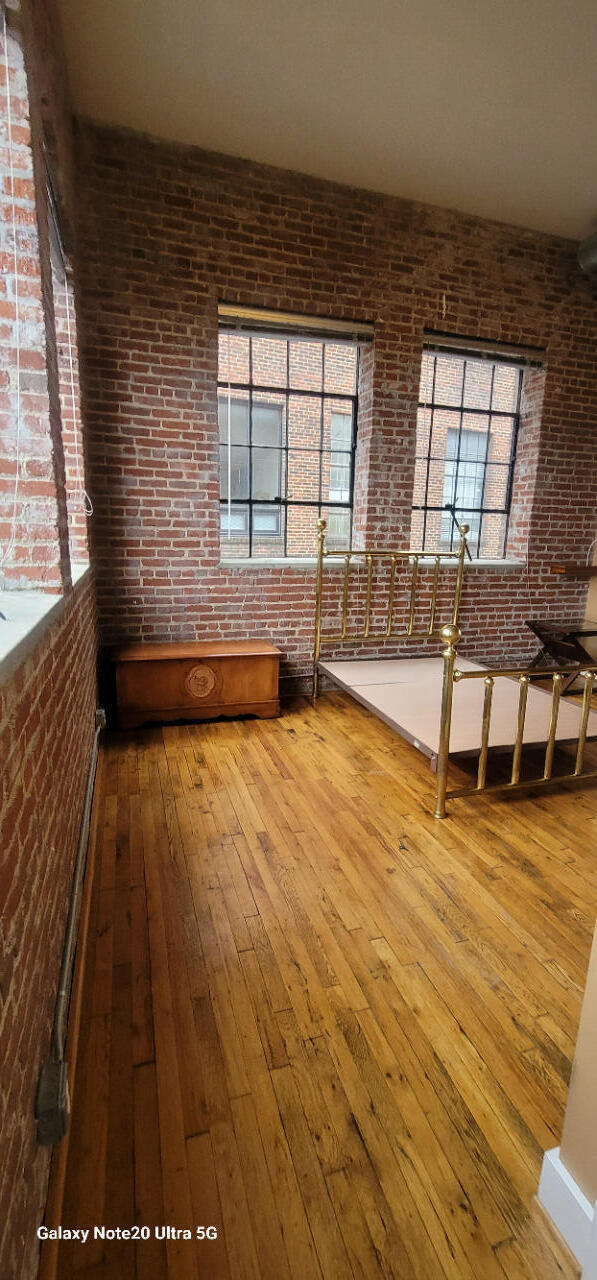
(65, 329)
(467, 425)
(287, 411)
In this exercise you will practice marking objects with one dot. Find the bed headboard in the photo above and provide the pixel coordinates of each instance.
(377, 620)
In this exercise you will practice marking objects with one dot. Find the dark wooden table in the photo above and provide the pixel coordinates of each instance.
(561, 645)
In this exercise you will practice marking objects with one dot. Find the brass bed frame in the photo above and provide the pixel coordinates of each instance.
(451, 635)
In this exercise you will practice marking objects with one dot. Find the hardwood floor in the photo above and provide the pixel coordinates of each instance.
(317, 1019)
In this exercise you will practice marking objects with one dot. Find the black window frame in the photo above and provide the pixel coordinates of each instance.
(288, 390)
(430, 404)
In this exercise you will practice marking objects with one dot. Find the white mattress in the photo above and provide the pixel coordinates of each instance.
(406, 693)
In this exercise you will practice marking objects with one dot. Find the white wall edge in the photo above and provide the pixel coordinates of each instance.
(570, 1211)
(28, 615)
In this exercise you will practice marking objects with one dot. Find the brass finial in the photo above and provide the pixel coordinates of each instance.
(451, 634)
(322, 525)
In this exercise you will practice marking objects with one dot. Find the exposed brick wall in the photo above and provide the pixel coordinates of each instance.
(36, 135)
(33, 538)
(165, 233)
(47, 706)
(46, 729)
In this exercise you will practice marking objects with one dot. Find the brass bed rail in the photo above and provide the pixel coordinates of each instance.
(393, 557)
(587, 672)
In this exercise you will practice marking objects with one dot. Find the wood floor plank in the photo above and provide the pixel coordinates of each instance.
(87, 1173)
(212, 1255)
(330, 1246)
(269, 1240)
(151, 1261)
(238, 1231)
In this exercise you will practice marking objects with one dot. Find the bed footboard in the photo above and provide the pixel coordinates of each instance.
(523, 675)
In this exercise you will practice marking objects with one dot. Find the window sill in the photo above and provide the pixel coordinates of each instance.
(264, 562)
(269, 562)
(27, 616)
(504, 565)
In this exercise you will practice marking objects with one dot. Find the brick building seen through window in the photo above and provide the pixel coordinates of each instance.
(287, 412)
(467, 426)
(67, 358)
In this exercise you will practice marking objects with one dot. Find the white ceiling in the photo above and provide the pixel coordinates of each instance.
(487, 106)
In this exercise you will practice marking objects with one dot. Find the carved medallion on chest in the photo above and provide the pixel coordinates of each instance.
(200, 681)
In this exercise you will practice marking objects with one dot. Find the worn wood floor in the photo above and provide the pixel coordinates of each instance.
(315, 1018)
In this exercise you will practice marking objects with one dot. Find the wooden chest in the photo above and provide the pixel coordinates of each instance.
(196, 681)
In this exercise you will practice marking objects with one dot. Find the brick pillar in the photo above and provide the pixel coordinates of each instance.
(392, 434)
(527, 459)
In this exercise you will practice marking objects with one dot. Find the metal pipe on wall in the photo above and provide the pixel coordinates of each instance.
(52, 1102)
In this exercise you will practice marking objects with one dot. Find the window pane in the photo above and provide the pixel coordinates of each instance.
(440, 485)
(341, 368)
(233, 357)
(267, 519)
(444, 421)
(337, 534)
(448, 379)
(505, 388)
(502, 433)
(303, 476)
(493, 536)
(237, 412)
(267, 474)
(423, 432)
(302, 530)
(420, 478)
(304, 422)
(468, 488)
(337, 425)
(426, 383)
(477, 384)
(438, 527)
(473, 438)
(335, 476)
(267, 423)
(234, 521)
(473, 519)
(416, 531)
(268, 531)
(234, 538)
(239, 472)
(268, 362)
(305, 365)
(496, 486)
(467, 445)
